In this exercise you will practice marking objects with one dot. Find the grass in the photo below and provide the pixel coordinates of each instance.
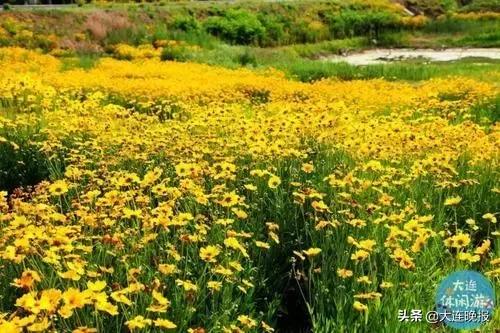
(303, 62)
(83, 61)
(296, 62)
(410, 71)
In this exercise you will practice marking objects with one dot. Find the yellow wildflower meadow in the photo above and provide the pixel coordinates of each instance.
(188, 198)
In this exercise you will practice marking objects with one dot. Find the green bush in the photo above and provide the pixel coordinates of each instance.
(350, 23)
(481, 6)
(451, 24)
(174, 53)
(132, 36)
(24, 166)
(247, 58)
(22, 162)
(160, 32)
(433, 8)
(304, 31)
(275, 31)
(186, 23)
(236, 27)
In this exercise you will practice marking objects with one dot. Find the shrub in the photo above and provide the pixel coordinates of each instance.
(22, 167)
(299, 32)
(11, 25)
(247, 58)
(351, 23)
(133, 36)
(237, 27)
(481, 6)
(275, 31)
(432, 8)
(100, 24)
(186, 23)
(174, 53)
(6, 6)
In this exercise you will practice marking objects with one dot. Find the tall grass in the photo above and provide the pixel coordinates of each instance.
(84, 61)
(457, 25)
(306, 70)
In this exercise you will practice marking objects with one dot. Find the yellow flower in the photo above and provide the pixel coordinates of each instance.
(358, 223)
(9, 327)
(452, 201)
(307, 167)
(461, 240)
(358, 306)
(49, 300)
(96, 286)
(159, 298)
(470, 221)
(406, 263)
(27, 280)
(223, 271)
(107, 307)
(229, 199)
(490, 217)
(483, 248)
(312, 252)
(214, 285)
(164, 323)
(85, 329)
(385, 199)
(132, 213)
(58, 188)
(274, 182)
(386, 285)
(209, 253)
(266, 327)
(167, 269)
(247, 321)
(138, 322)
(364, 279)
(262, 245)
(250, 187)
(495, 261)
(344, 273)
(186, 285)
(367, 244)
(233, 243)
(74, 298)
(320, 206)
(371, 295)
(241, 214)
(184, 169)
(464, 256)
(360, 255)
(119, 296)
(41, 326)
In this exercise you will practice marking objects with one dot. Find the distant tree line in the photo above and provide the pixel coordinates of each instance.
(37, 2)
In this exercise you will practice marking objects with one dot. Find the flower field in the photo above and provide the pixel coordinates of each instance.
(165, 196)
